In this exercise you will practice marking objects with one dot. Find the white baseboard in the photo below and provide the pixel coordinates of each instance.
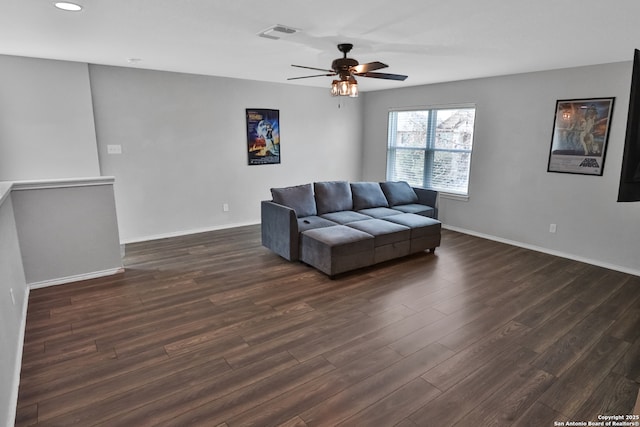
(545, 250)
(185, 232)
(75, 278)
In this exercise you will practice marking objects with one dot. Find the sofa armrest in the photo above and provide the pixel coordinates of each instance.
(279, 229)
(428, 198)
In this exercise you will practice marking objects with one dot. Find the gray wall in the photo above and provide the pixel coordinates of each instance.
(46, 120)
(183, 140)
(512, 197)
(12, 314)
(67, 230)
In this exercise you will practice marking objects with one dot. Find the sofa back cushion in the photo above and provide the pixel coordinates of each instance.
(367, 195)
(399, 193)
(299, 198)
(333, 196)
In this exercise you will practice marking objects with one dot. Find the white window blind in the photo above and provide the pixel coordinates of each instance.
(431, 148)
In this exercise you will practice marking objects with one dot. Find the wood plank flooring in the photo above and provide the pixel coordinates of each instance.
(215, 330)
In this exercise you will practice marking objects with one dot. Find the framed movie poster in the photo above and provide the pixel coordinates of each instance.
(263, 136)
(580, 136)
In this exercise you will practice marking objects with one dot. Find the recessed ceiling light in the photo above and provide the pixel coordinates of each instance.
(69, 7)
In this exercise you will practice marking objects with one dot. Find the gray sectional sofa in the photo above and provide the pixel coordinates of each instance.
(337, 226)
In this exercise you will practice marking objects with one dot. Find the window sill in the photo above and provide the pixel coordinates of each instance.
(454, 196)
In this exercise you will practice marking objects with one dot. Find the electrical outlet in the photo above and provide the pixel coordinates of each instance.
(552, 228)
(225, 207)
(13, 298)
(114, 149)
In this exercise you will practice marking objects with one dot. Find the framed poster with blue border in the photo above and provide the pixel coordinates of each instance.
(263, 136)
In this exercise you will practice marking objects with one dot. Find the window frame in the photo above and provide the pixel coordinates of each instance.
(429, 148)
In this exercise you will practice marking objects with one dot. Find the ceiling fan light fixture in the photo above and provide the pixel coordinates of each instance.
(346, 69)
(345, 87)
(334, 88)
(353, 88)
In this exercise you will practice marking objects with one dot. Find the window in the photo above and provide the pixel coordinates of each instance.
(431, 148)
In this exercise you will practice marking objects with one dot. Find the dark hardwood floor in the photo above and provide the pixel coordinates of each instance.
(213, 329)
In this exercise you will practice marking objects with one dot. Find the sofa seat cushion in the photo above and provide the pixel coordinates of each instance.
(311, 222)
(345, 217)
(425, 231)
(342, 239)
(336, 249)
(416, 208)
(384, 232)
(367, 195)
(398, 193)
(390, 240)
(332, 196)
(379, 212)
(299, 198)
(420, 225)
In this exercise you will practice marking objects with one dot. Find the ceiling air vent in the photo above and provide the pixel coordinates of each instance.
(276, 31)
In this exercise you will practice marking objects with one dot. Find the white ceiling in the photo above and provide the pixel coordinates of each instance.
(431, 41)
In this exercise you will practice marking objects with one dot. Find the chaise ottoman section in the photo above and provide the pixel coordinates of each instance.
(390, 240)
(425, 231)
(336, 249)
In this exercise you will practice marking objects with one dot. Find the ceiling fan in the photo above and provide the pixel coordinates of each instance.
(346, 69)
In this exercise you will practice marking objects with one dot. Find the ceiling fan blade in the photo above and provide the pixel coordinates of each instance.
(384, 76)
(312, 68)
(315, 75)
(363, 68)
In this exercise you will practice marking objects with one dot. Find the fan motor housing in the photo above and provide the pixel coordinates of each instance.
(343, 64)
